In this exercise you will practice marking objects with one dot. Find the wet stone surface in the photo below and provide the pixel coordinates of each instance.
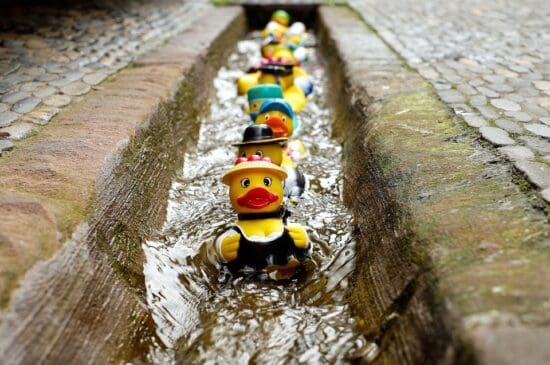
(205, 316)
(50, 53)
(492, 56)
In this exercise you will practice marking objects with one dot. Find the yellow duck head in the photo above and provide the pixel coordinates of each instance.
(255, 185)
(274, 29)
(277, 114)
(284, 55)
(258, 139)
(270, 46)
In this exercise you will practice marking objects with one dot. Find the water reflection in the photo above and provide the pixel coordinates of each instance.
(204, 316)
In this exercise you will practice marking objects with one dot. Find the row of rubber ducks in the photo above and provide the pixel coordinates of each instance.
(265, 175)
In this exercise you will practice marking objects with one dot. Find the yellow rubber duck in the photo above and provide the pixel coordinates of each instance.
(274, 30)
(281, 17)
(278, 24)
(261, 239)
(278, 115)
(283, 71)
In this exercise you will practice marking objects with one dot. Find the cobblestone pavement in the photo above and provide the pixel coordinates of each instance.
(489, 61)
(51, 56)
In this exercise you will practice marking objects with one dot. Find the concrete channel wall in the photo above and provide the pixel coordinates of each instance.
(452, 261)
(87, 190)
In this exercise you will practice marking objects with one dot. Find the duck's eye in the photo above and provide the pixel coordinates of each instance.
(284, 119)
(260, 153)
(254, 105)
(243, 154)
(266, 117)
(246, 182)
(267, 181)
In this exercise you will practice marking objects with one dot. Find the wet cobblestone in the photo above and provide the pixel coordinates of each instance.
(492, 56)
(49, 54)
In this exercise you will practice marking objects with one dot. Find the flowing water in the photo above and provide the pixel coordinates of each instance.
(206, 316)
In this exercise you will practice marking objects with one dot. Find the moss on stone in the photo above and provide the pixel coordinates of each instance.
(461, 208)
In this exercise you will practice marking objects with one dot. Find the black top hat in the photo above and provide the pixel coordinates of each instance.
(259, 133)
(279, 69)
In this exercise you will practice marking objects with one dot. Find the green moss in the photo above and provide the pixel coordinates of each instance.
(463, 205)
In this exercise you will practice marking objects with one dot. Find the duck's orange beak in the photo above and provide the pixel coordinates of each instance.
(257, 198)
(278, 126)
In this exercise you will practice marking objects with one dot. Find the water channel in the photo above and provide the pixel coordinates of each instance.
(205, 316)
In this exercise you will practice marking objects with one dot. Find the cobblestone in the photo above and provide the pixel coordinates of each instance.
(536, 144)
(6, 118)
(538, 129)
(506, 104)
(492, 54)
(5, 145)
(95, 78)
(26, 105)
(519, 116)
(75, 88)
(475, 120)
(517, 152)
(509, 126)
(57, 100)
(452, 96)
(18, 130)
(537, 173)
(42, 115)
(46, 51)
(496, 136)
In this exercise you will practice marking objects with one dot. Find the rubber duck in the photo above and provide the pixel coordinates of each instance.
(258, 139)
(260, 93)
(280, 70)
(300, 79)
(274, 29)
(270, 45)
(279, 116)
(295, 39)
(281, 16)
(261, 240)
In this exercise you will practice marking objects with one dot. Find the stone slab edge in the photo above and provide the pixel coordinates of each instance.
(453, 261)
(87, 191)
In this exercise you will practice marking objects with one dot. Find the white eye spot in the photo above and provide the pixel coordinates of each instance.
(266, 117)
(245, 182)
(284, 119)
(267, 181)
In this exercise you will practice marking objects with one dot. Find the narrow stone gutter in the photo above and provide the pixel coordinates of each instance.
(88, 189)
(451, 255)
(451, 258)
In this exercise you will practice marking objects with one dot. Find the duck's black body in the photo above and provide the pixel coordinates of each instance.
(256, 256)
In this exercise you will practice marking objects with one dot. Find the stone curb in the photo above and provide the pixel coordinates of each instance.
(88, 190)
(451, 255)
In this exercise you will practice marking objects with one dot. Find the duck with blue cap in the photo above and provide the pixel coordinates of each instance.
(278, 114)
